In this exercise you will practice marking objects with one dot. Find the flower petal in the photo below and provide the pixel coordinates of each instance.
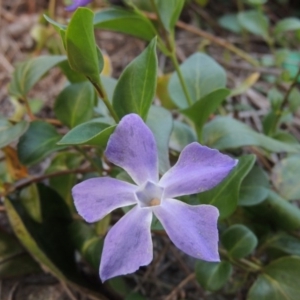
(96, 197)
(133, 148)
(77, 3)
(193, 229)
(128, 245)
(198, 169)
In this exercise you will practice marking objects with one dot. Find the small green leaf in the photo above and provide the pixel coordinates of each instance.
(129, 22)
(181, 136)
(287, 24)
(285, 177)
(225, 195)
(136, 86)
(29, 198)
(213, 275)
(277, 212)
(255, 187)
(200, 111)
(161, 123)
(231, 23)
(278, 281)
(83, 53)
(169, 12)
(39, 141)
(9, 132)
(74, 105)
(202, 76)
(55, 24)
(92, 133)
(239, 241)
(28, 73)
(228, 133)
(255, 22)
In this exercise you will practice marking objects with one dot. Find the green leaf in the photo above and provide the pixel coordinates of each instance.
(213, 275)
(227, 133)
(64, 183)
(55, 24)
(278, 281)
(277, 212)
(74, 105)
(38, 142)
(239, 241)
(92, 133)
(285, 177)
(254, 22)
(83, 53)
(160, 122)
(12, 256)
(283, 243)
(231, 23)
(255, 187)
(181, 136)
(200, 111)
(169, 12)
(27, 74)
(136, 86)
(202, 76)
(30, 200)
(225, 195)
(49, 243)
(129, 22)
(286, 24)
(9, 132)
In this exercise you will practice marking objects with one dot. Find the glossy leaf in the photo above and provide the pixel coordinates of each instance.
(136, 86)
(200, 111)
(39, 141)
(285, 177)
(49, 243)
(231, 23)
(82, 51)
(255, 187)
(169, 12)
(161, 124)
(213, 275)
(64, 183)
(254, 22)
(277, 212)
(239, 241)
(225, 195)
(27, 74)
(181, 136)
(227, 133)
(12, 256)
(202, 76)
(129, 22)
(10, 132)
(30, 200)
(287, 24)
(92, 133)
(278, 281)
(74, 105)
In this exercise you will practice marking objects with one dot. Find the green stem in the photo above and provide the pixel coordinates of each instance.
(182, 82)
(92, 162)
(102, 93)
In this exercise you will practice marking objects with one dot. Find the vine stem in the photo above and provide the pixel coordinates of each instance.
(92, 162)
(102, 93)
(28, 109)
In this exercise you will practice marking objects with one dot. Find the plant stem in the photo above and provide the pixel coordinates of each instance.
(28, 109)
(285, 101)
(92, 162)
(102, 93)
(181, 79)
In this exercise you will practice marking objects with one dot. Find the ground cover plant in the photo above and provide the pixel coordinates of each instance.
(166, 171)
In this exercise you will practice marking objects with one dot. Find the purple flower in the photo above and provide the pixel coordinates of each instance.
(193, 229)
(77, 3)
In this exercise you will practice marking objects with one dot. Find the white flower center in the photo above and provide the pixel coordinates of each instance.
(149, 195)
